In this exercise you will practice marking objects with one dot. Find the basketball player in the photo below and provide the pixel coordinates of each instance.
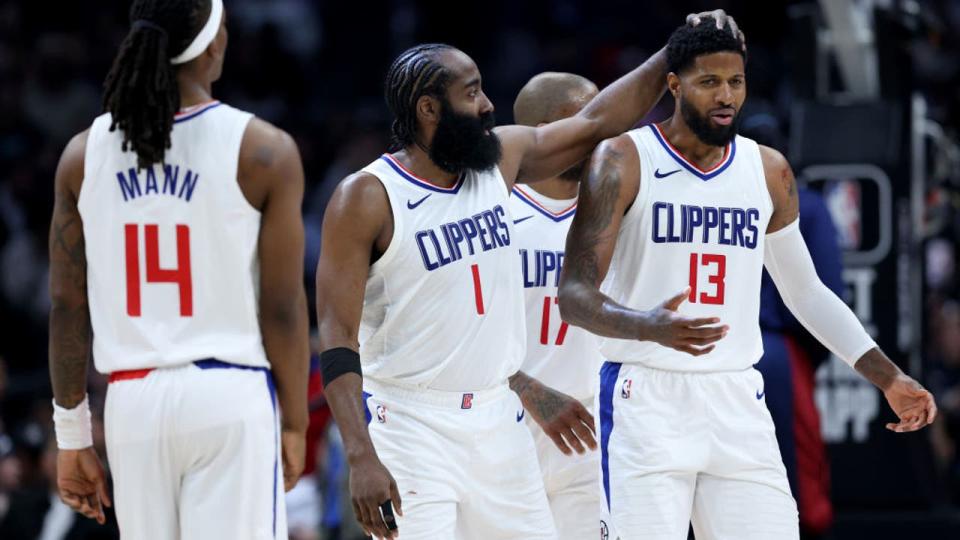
(177, 222)
(688, 204)
(564, 358)
(418, 271)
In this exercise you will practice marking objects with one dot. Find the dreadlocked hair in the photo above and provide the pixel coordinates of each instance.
(141, 92)
(415, 73)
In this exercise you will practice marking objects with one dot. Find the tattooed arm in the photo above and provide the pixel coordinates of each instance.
(821, 312)
(70, 334)
(80, 477)
(610, 187)
(564, 419)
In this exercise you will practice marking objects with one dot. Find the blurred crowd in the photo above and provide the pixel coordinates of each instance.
(315, 68)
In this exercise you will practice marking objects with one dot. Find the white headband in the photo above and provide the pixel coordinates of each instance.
(204, 37)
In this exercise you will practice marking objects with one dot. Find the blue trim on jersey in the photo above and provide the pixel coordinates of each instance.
(276, 437)
(366, 407)
(213, 363)
(693, 170)
(555, 217)
(420, 182)
(197, 113)
(609, 373)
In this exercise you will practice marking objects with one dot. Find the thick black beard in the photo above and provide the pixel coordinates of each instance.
(462, 142)
(575, 173)
(705, 131)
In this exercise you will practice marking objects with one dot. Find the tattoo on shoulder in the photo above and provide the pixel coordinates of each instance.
(789, 182)
(595, 212)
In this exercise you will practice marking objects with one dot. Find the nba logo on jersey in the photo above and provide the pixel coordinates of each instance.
(381, 414)
(467, 401)
(604, 530)
(625, 389)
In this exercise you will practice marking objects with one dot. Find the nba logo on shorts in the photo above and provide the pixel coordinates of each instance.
(604, 531)
(381, 414)
(625, 389)
(467, 401)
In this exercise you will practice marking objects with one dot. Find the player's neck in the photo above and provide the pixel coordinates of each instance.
(193, 91)
(419, 163)
(555, 188)
(684, 140)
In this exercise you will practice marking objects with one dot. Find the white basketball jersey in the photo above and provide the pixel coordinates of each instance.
(564, 357)
(443, 307)
(699, 228)
(171, 250)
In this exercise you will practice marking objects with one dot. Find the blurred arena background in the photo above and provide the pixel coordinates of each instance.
(863, 96)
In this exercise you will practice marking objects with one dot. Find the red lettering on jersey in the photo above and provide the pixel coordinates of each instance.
(133, 269)
(716, 279)
(181, 275)
(477, 289)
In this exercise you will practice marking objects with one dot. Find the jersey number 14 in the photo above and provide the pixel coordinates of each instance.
(155, 274)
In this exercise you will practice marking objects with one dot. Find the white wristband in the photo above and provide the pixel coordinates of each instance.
(72, 426)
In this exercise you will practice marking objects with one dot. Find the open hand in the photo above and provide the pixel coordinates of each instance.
(912, 403)
(722, 19)
(690, 335)
(564, 419)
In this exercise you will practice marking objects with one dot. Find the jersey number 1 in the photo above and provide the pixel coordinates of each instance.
(179, 275)
(719, 264)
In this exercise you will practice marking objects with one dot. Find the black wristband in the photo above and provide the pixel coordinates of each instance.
(336, 362)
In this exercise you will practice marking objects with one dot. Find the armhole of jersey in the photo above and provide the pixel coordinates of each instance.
(394, 246)
(639, 202)
(503, 182)
(237, 131)
(761, 176)
(100, 125)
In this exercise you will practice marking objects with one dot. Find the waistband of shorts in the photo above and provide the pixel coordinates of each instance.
(439, 398)
(679, 373)
(205, 363)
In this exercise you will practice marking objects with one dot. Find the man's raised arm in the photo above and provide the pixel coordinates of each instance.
(536, 153)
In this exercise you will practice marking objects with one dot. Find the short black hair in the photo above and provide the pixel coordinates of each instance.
(415, 73)
(688, 42)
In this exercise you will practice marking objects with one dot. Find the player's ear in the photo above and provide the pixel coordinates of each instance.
(428, 110)
(673, 84)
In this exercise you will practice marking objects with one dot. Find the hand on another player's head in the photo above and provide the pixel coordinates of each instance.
(721, 19)
(694, 336)
(913, 404)
(82, 483)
